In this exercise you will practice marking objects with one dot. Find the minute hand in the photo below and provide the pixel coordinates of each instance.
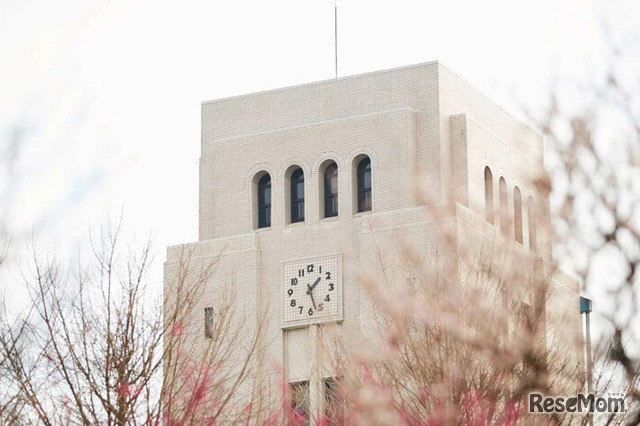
(310, 293)
(312, 286)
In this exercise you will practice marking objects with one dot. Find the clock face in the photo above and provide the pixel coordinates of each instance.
(312, 291)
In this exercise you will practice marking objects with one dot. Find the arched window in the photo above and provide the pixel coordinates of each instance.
(264, 201)
(331, 190)
(488, 194)
(208, 322)
(297, 196)
(504, 207)
(531, 209)
(517, 214)
(364, 185)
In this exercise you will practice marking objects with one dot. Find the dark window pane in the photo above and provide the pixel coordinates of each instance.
(517, 214)
(367, 178)
(297, 196)
(364, 185)
(264, 201)
(330, 206)
(331, 191)
(264, 217)
(208, 322)
(504, 214)
(332, 402)
(331, 179)
(297, 212)
(364, 201)
(300, 402)
(266, 195)
(488, 194)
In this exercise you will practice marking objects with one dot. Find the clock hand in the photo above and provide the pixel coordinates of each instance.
(310, 293)
(310, 288)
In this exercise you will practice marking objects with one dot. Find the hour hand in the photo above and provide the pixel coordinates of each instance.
(312, 286)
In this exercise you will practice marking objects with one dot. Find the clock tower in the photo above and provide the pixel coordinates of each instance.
(303, 187)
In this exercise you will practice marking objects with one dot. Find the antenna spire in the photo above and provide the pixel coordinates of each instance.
(335, 20)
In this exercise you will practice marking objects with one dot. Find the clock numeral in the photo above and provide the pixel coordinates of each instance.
(320, 269)
(294, 281)
(301, 272)
(301, 308)
(310, 312)
(320, 306)
(327, 299)
(331, 287)
(290, 292)
(293, 303)
(328, 275)
(310, 268)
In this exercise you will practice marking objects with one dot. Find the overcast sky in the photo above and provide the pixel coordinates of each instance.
(104, 96)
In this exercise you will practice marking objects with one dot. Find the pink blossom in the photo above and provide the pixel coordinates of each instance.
(177, 329)
(124, 388)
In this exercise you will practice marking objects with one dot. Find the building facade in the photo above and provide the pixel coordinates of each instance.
(300, 186)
